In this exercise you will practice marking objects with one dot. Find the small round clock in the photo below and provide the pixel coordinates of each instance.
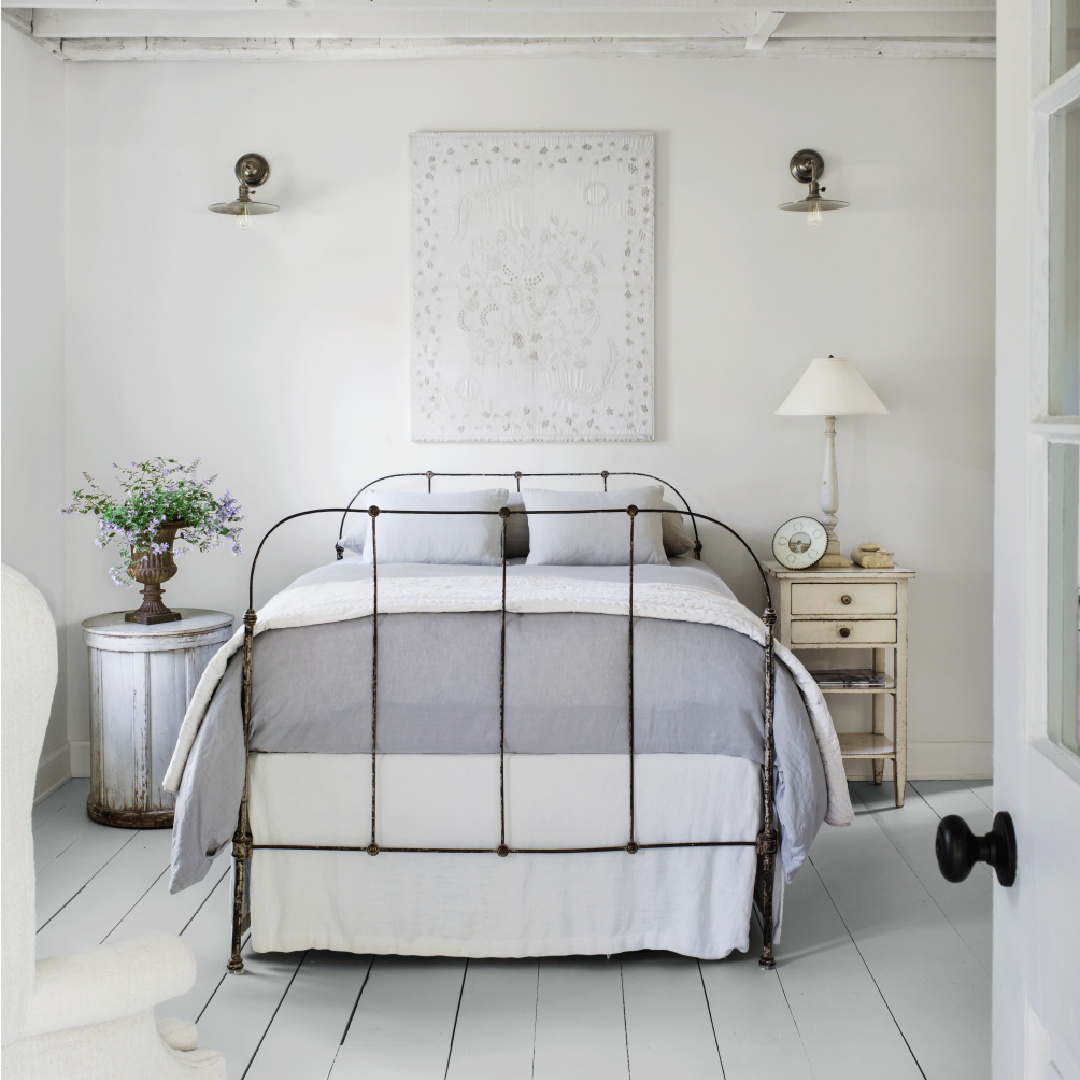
(799, 543)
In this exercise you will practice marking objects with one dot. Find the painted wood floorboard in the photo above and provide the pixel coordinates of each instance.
(668, 1029)
(753, 1024)
(73, 869)
(239, 1014)
(314, 1016)
(912, 830)
(921, 965)
(954, 797)
(983, 790)
(496, 1024)
(56, 829)
(404, 1023)
(74, 791)
(882, 967)
(158, 910)
(580, 1022)
(844, 1022)
(118, 886)
(208, 936)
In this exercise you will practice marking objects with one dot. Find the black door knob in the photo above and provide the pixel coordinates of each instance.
(959, 849)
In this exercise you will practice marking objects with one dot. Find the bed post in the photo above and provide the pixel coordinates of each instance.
(766, 839)
(242, 837)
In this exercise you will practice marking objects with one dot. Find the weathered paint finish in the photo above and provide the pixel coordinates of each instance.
(141, 680)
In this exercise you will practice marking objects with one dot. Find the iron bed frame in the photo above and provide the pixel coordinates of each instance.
(765, 843)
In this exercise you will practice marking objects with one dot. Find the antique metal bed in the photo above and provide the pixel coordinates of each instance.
(765, 842)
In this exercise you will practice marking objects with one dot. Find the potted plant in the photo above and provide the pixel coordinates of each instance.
(161, 497)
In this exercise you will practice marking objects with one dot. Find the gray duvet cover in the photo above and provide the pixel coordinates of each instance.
(698, 690)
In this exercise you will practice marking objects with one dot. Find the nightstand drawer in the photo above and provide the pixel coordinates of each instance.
(844, 599)
(840, 632)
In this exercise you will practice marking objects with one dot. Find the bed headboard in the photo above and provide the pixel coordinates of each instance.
(603, 475)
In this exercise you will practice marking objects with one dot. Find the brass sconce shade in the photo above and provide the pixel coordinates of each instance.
(807, 166)
(252, 170)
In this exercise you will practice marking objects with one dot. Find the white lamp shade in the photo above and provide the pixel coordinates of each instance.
(831, 386)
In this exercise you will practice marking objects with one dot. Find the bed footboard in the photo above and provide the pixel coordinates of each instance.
(765, 842)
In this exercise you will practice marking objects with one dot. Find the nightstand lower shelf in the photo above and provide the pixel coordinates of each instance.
(865, 744)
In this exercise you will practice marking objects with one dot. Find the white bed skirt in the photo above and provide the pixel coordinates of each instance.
(694, 901)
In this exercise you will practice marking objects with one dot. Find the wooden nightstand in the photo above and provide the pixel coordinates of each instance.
(854, 608)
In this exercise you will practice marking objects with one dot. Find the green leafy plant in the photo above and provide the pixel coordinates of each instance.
(156, 493)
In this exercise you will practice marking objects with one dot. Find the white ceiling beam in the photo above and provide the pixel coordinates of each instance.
(615, 8)
(765, 22)
(173, 49)
(370, 23)
(888, 24)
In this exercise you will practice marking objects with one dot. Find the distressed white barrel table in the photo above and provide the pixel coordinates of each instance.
(141, 680)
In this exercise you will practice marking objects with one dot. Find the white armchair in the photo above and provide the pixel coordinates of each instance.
(89, 1015)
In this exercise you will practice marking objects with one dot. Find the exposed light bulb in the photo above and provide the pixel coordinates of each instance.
(243, 218)
(814, 216)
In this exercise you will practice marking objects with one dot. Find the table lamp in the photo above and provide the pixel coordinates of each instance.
(831, 387)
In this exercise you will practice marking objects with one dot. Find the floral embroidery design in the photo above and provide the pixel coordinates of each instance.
(532, 287)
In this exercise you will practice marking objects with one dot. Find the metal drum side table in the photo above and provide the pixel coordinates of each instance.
(141, 680)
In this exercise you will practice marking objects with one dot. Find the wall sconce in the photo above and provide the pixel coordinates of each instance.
(252, 170)
(807, 166)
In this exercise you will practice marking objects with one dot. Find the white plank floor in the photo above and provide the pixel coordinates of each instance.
(883, 969)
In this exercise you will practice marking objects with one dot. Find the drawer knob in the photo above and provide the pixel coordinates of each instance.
(845, 599)
(845, 631)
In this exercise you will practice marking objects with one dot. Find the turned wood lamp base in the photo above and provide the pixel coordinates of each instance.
(830, 503)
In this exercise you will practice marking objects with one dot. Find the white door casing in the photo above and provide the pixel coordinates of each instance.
(1036, 1022)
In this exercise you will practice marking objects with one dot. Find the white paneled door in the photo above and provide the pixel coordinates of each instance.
(1036, 978)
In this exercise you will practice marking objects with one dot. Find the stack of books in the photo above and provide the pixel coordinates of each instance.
(852, 679)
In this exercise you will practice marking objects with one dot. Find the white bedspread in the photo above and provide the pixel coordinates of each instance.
(336, 601)
(695, 901)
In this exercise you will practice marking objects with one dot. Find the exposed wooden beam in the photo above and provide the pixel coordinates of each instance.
(765, 22)
(374, 23)
(172, 49)
(888, 24)
(20, 19)
(615, 8)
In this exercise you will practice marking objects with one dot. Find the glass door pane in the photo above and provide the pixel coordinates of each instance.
(1064, 597)
(1065, 263)
(1064, 36)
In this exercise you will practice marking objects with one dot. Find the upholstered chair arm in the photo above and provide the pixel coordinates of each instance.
(108, 982)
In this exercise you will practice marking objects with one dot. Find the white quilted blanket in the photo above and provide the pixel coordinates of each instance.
(307, 605)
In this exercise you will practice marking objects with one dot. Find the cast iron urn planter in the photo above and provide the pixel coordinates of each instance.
(152, 571)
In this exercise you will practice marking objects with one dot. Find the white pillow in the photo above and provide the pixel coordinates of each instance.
(473, 539)
(594, 539)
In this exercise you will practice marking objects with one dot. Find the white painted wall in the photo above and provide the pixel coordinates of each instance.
(32, 537)
(281, 355)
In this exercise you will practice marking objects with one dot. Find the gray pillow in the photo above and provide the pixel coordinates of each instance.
(593, 539)
(517, 528)
(472, 539)
(678, 540)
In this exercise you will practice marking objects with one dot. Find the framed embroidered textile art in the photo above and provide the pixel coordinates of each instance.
(532, 286)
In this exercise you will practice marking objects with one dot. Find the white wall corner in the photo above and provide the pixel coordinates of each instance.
(53, 770)
(80, 758)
